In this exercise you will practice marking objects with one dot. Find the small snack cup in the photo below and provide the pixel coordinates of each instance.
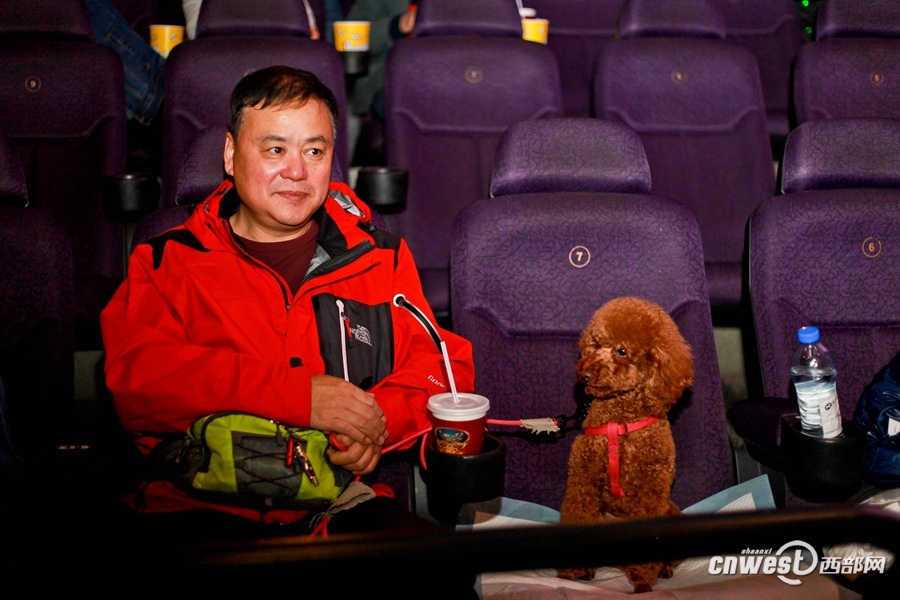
(351, 36)
(535, 30)
(458, 427)
(165, 37)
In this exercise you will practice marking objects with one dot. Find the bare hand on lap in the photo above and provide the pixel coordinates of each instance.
(340, 407)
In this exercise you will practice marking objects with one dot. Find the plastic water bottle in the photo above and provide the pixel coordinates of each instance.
(815, 378)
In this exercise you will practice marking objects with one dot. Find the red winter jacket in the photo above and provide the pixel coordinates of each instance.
(200, 327)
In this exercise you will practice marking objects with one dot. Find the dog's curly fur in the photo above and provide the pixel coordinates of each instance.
(634, 364)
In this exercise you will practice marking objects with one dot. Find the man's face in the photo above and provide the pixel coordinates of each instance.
(281, 165)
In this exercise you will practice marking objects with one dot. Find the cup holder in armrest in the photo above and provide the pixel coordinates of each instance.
(823, 469)
(383, 188)
(356, 64)
(130, 196)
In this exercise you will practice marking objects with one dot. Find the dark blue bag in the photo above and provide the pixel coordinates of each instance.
(878, 413)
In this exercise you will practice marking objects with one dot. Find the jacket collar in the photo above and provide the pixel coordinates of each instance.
(342, 218)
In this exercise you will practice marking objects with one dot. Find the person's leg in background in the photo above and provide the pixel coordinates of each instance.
(144, 72)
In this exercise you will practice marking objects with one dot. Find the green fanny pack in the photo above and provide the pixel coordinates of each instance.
(244, 459)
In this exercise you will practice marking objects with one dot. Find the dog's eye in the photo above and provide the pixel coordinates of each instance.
(621, 352)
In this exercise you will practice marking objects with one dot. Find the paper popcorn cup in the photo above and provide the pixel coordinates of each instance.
(165, 37)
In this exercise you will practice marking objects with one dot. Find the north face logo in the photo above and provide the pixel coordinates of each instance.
(361, 334)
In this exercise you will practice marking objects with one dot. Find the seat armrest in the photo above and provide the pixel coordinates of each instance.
(758, 422)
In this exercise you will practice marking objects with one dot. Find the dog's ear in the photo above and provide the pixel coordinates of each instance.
(673, 365)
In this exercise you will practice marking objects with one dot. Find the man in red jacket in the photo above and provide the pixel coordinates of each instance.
(276, 297)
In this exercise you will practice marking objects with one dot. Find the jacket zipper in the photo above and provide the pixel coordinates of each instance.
(342, 323)
(341, 261)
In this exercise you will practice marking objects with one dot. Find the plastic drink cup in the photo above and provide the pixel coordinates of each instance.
(458, 428)
(165, 37)
(535, 30)
(351, 36)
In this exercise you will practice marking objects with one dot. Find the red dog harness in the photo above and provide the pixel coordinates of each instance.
(612, 431)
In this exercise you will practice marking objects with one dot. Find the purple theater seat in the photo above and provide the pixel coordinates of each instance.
(531, 265)
(449, 95)
(852, 18)
(64, 110)
(569, 155)
(853, 67)
(771, 30)
(56, 19)
(688, 18)
(468, 17)
(698, 107)
(842, 153)
(36, 327)
(837, 78)
(821, 254)
(203, 167)
(235, 38)
(578, 30)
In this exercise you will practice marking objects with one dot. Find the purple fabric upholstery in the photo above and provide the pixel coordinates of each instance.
(569, 155)
(59, 19)
(852, 18)
(468, 17)
(160, 220)
(770, 29)
(238, 17)
(203, 168)
(578, 30)
(689, 18)
(842, 153)
(524, 289)
(847, 283)
(447, 101)
(201, 74)
(36, 325)
(64, 110)
(698, 108)
(847, 77)
(13, 189)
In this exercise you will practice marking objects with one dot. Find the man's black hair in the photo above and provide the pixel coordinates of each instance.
(277, 86)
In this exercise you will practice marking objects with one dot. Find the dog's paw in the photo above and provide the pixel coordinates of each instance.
(576, 573)
(668, 569)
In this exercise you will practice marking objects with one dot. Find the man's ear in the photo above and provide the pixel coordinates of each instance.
(229, 154)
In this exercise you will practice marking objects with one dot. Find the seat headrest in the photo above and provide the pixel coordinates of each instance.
(12, 175)
(842, 153)
(239, 17)
(46, 19)
(569, 155)
(468, 17)
(203, 169)
(856, 18)
(687, 18)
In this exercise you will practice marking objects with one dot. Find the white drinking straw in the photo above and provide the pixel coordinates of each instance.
(449, 372)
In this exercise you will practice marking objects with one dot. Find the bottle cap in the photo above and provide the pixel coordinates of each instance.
(808, 335)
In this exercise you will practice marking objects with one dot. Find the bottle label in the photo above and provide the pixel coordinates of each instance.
(830, 411)
(893, 426)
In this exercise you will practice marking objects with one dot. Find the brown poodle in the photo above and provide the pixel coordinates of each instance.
(635, 365)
